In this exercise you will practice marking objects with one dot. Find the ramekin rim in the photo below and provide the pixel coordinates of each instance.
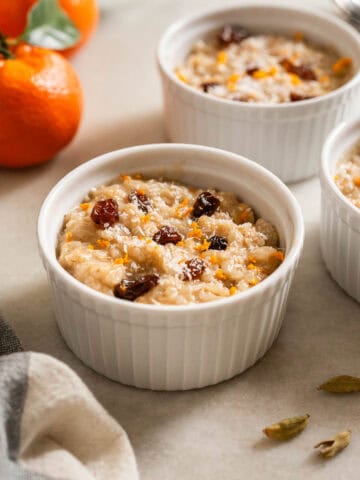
(288, 264)
(326, 176)
(281, 5)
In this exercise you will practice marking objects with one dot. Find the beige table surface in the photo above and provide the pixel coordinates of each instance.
(214, 433)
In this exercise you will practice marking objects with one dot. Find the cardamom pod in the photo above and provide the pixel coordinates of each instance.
(287, 428)
(329, 448)
(341, 384)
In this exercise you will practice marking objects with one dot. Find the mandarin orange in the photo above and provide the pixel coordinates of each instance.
(84, 14)
(41, 105)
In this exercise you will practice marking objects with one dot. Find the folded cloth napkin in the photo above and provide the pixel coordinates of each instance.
(51, 426)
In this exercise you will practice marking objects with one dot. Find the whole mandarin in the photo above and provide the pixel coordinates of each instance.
(41, 106)
(84, 14)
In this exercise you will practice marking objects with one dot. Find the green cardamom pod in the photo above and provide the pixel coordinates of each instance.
(341, 384)
(287, 428)
(329, 448)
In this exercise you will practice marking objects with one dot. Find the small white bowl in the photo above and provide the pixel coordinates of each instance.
(340, 219)
(172, 347)
(285, 138)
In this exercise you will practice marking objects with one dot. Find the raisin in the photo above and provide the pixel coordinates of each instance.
(205, 204)
(295, 97)
(206, 85)
(132, 289)
(251, 70)
(240, 99)
(167, 234)
(193, 269)
(305, 72)
(141, 200)
(218, 243)
(302, 71)
(232, 34)
(105, 213)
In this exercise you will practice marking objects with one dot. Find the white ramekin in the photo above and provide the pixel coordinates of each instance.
(340, 219)
(285, 138)
(172, 347)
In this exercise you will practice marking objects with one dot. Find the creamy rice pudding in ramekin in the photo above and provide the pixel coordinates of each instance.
(235, 64)
(347, 176)
(162, 242)
(251, 95)
(340, 206)
(160, 345)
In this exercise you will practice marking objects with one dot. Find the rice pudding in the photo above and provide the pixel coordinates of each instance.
(161, 242)
(347, 176)
(234, 64)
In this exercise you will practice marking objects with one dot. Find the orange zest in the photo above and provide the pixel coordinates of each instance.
(295, 79)
(203, 246)
(324, 79)
(122, 260)
(68, 236)
(214, 259)
(342, 66)
(298, 36)
(357, 181)
(222, 57)
(195, 231)
(279, 255)
(102, 243)
(182, 210)
(84, 206)
(220, 275)
(232, 290)
(259, 74)
(182, 77)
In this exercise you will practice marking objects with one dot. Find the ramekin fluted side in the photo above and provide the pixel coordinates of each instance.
(340, 242)
(285, 138)
(185, 356)
(284, 141)
(340, 220)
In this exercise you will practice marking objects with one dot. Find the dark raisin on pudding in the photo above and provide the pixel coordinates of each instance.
(167, 234)
(205, 204)
(193, 269)
(207, 85)
(251, 70)
(140, 199)
(232, 34)
(302, 71)
(296, 97)
(132, 289)
(105, 213)
(218, 243)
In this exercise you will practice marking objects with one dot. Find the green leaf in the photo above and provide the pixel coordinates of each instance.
(50, 27)
(4, 48)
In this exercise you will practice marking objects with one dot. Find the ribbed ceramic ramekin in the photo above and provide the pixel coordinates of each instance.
(285, 138)
(172, 347)
(340, 219)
